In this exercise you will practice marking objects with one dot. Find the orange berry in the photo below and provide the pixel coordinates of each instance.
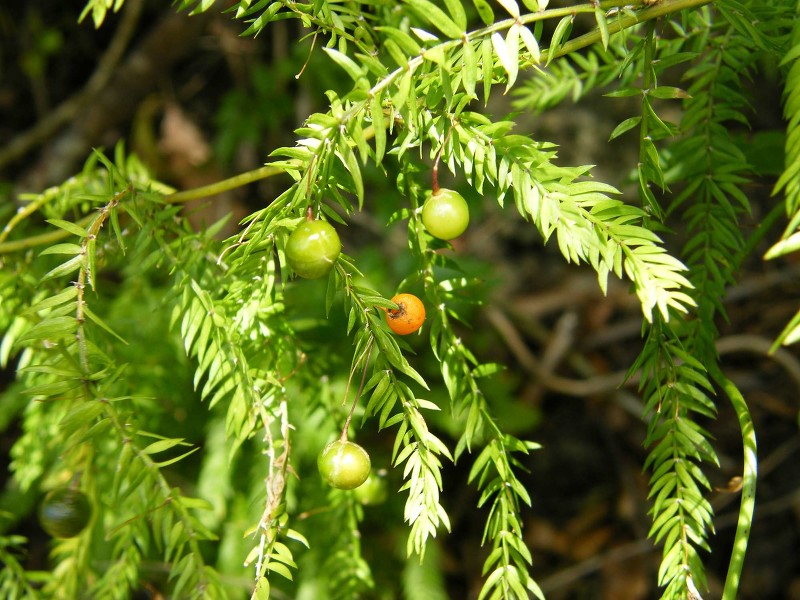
(408, 317)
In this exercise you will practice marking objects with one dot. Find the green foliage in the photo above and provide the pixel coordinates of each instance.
(160, 367)
(789, 181)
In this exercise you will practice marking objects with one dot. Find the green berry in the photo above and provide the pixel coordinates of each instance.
(445, 214)
(313, 248)
(372, 491)
(343, 465)
(65, 512)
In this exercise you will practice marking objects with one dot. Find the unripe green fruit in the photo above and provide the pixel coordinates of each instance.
(313, 248)
(372, 491)
(343, 465)
(445, 214)
(65, 512)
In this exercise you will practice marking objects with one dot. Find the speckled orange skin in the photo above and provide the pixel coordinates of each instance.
(409, 317)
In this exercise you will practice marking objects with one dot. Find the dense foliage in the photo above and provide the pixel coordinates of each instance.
(109, 297)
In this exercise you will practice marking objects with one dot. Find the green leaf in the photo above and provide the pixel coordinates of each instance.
(666, 92)
(487, 58)
(436, 17)
(404, 41)
(62, 297)
(531, 44)
(261, 591)
(91, 255)
(72, 265)
(485, 11)
(351, 164)
(626, 125)
(379, 126)
(114, 217)
(783, 247)
(162, 445)
(469, 71)
(624, 92)
(98, 321)
(71, 249)
(350, 67)
(55, 328)
(436, 55)
(512, 45)
(170, 461)
(82, 414)
(560, 35)
(68, 226)
(456, 10)
(602, 25)
(53, 389)
(389, 347)
(507, 54)
(280, 569)
(790, 334)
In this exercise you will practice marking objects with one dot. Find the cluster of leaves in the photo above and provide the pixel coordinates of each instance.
(416, 70)
(720, 49)
(789, 181)
(716, 49)
(589, 224)
(78, 401)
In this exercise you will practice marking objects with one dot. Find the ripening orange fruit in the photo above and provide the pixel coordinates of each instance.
(410, 315)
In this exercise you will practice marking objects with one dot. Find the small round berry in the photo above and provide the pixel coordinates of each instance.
(313, 248)
(445, 214)
(343, 465)
(408, 316)
(65, 512)
(373, 491)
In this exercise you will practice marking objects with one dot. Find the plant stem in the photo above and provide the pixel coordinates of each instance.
(176, 198)
(647, 14)
(23, 213)
(358, 393)
(223, 186)
(749, 475)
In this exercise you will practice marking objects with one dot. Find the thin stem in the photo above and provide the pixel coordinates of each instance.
(225, 185)
(85, 275)
(23, 213)
(353, 370)
(343, 437)
(661, 9)
(749, 475)
(435, 177)
(310, 52)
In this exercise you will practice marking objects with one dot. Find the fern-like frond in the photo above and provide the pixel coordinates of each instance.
(571, 77)
(789, 181)
(589, 224)
(713, 180)
(711, 171)
(15, 581)
(416, 448)
(677, 392)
